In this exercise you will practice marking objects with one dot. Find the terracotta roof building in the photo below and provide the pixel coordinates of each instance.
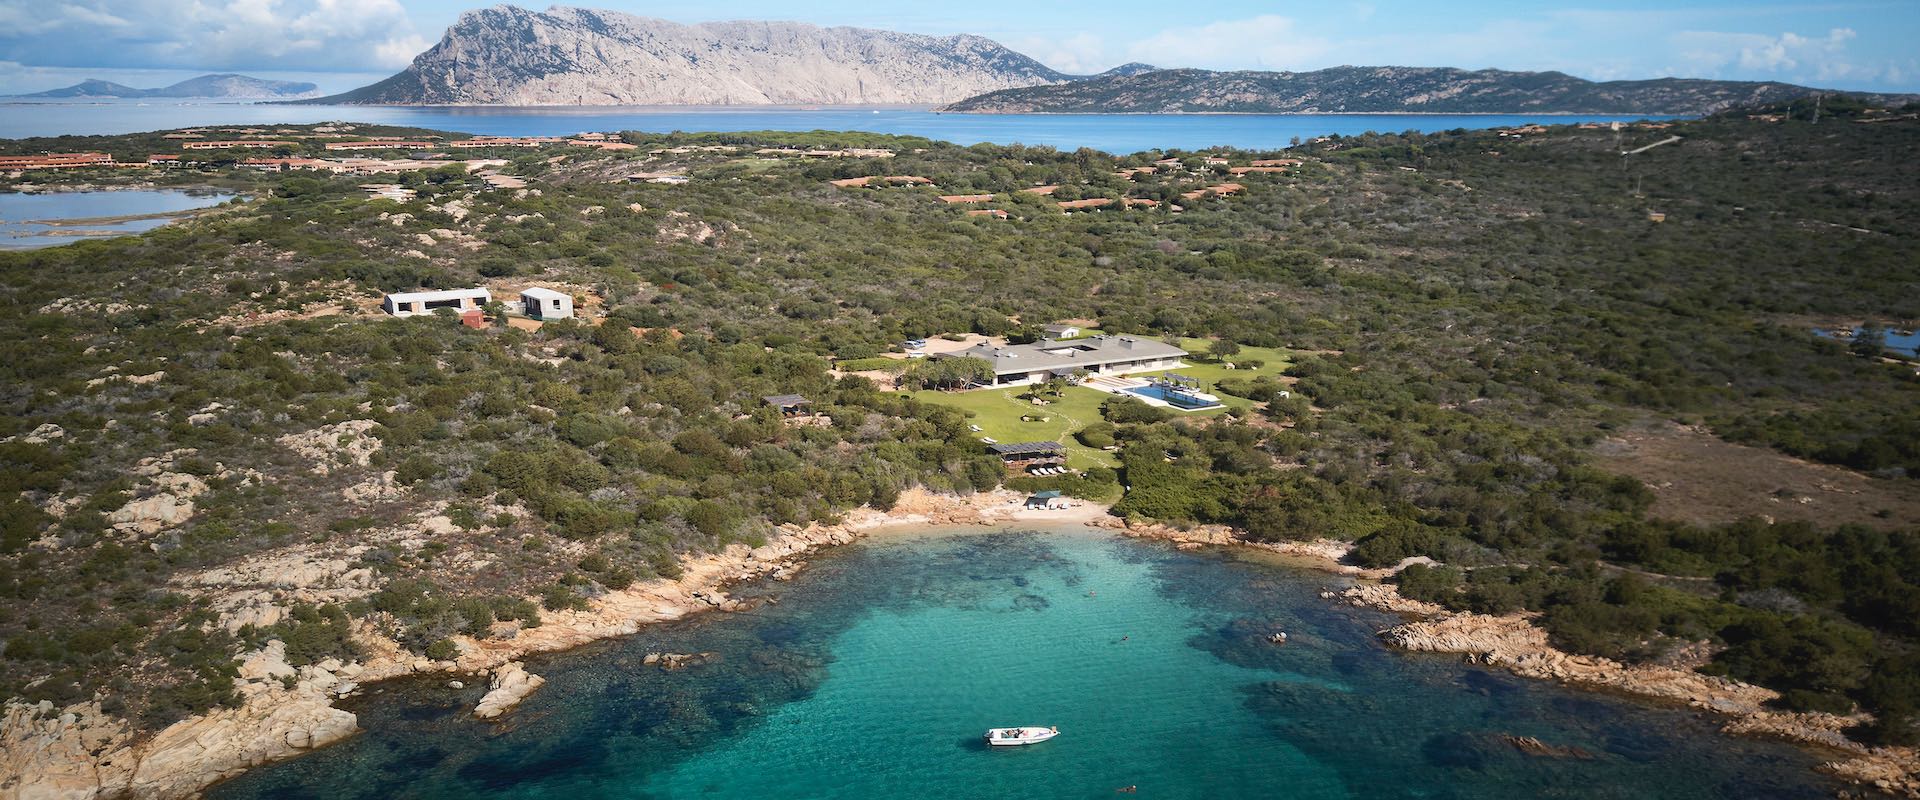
(1221, 190)
(379, 144)
(258, 144)
(57, 161)
(281, 164)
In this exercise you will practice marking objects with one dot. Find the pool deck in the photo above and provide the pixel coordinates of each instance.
(1124, 386)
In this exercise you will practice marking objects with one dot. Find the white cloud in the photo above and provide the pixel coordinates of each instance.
(209, 34)
(1787, 56)
(1079, 54)
(1269, 41)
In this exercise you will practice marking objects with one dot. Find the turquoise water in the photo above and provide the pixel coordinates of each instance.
(20, 214)
(1165, 396)
(875, 672)
(1111, 133)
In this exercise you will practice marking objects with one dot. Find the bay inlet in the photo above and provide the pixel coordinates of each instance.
(874, 672)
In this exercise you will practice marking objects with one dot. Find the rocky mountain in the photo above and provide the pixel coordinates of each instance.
(1128, 69)
(1381, 90)
(226, 85)
(574, 56)
(231, 85)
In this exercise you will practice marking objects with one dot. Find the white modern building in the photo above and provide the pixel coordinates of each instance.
(1097, 355)
(543, 304)
(407, 304)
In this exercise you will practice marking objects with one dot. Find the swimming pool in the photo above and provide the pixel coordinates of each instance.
(1174, 399)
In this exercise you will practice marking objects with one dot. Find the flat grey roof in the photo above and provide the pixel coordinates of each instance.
(1026, 448)
(784, 400)
(1050, 354)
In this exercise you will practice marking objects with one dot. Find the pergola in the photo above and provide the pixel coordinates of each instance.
(788, 404)
(1030, 452)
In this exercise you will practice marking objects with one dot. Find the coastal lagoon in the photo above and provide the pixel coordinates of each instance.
(875, 671)
(46, 219)
(1903, 342)
(1112, 133)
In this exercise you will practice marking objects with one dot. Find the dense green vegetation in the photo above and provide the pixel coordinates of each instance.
(1459, 318)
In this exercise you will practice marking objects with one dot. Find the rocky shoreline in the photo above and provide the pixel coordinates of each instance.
(1514, 643)
(81, 753)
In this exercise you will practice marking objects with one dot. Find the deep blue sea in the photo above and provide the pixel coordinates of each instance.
(874, 674)
(1111, 133)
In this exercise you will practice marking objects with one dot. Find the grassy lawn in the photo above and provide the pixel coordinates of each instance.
(998, 412)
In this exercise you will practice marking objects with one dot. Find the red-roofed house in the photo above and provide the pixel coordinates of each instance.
(56, 161)
(280, 164)
(258, 144)
(1221, 190)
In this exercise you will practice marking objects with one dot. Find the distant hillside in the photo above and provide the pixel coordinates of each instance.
(575, 56)
(226, 85)
(230, 85)
(1129, 68)
(90, 88)
(1382, 90)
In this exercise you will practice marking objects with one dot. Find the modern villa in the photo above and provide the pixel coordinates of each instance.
(1048, 358)
(407, 304)
(544, 304)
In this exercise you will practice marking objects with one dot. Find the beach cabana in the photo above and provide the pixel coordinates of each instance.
(1051, 498)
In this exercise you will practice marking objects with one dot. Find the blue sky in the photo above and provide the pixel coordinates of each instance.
(1868, 45)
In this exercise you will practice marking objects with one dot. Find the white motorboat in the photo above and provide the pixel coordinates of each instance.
(1014, 737)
